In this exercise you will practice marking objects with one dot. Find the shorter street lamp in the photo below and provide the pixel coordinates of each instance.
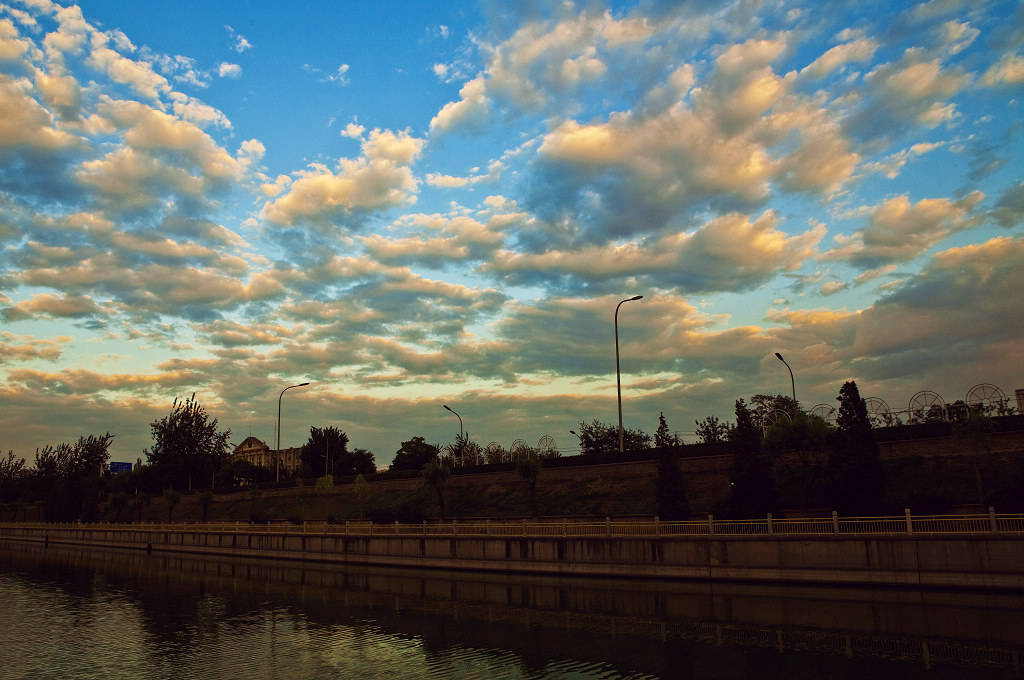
(792, 382)
(278, 456)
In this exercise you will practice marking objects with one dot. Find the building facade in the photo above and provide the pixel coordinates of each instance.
(257, 452)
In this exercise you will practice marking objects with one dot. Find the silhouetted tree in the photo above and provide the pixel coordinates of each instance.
(529, 469)
(599, 438)
(711, 430)
(171, 498)
(854, 466)
(13, 477)
(414, 455)
(68, 477)
(974, 431)
(662, 436)
(362, 490)
(436, 476)
(752, 485)
(669, 490)
(800, 445)
(464, 451)
(326, 452)
(187, 444)
(205, 497)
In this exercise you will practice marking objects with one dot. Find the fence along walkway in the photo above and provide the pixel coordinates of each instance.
(906, 524)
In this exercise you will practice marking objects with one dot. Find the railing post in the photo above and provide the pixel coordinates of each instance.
(711, 525)
(910, 523)
(835, 522)
(607, 526)
(455, 530)
(346, 527)
(564, 528)
(424, 527)
(487, 527)
(396, 527)
(657, 526)
(524, 527)
(771, 529)
(992, 520)
(371, 528)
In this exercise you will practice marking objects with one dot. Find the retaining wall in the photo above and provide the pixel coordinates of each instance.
(975, 561)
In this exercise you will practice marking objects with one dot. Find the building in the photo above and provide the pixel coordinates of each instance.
(258, 453)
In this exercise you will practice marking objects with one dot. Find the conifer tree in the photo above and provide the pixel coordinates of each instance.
(854, 466)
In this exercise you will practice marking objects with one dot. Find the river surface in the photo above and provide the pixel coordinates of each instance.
(85, 613)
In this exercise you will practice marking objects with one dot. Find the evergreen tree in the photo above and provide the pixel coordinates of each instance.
(752, 485)
(854, 467)
(662, 436)
(670, 494)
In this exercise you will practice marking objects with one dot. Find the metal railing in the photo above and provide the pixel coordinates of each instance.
(906, 524)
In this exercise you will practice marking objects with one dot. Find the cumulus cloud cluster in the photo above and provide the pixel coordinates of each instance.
(767, 177)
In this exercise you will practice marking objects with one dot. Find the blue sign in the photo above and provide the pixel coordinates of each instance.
(120, 467)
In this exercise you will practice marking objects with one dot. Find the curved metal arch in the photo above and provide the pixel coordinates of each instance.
(926, 405)
(826, 412)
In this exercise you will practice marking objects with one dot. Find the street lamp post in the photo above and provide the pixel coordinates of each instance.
(278, 456)
(448, 408)
(618, 377)
(792, 382)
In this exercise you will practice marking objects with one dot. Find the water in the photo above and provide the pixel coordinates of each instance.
(81, 613)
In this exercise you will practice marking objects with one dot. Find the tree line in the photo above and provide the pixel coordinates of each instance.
(772, 437)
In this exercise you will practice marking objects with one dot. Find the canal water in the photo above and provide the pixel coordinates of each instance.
(85, 613)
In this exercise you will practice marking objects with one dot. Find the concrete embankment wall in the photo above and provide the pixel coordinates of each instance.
(976, 561)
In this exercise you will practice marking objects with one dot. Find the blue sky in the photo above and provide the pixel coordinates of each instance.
(410, 204)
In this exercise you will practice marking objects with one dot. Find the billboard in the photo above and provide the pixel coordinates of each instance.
(120, 467)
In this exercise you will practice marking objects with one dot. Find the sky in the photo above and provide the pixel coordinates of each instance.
(411, 204)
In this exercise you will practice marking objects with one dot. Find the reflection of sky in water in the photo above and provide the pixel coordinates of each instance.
(73, 614)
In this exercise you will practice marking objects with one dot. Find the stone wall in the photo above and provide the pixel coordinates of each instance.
(993, 561)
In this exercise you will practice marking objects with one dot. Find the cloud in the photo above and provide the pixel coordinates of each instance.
(12, 46)
(48, 305)
(837, 57)
(1008, 71)
(379, 179)
(23, 122)
(729, 253)
(19, 349)
(915, 91)
(473, 108)
(898, 230)
(227, 70)
(138, 74)
(1009, 211)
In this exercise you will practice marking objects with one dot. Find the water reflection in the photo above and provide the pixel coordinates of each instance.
(81, 613)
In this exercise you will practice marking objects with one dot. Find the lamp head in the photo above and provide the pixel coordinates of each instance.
(779, 357)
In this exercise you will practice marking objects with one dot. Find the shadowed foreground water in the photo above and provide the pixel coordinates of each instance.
(81, 613)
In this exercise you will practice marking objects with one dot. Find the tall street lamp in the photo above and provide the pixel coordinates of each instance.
(461, 452)
(278, 475)
(447, 408)
(792, 382)
(618, 377)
